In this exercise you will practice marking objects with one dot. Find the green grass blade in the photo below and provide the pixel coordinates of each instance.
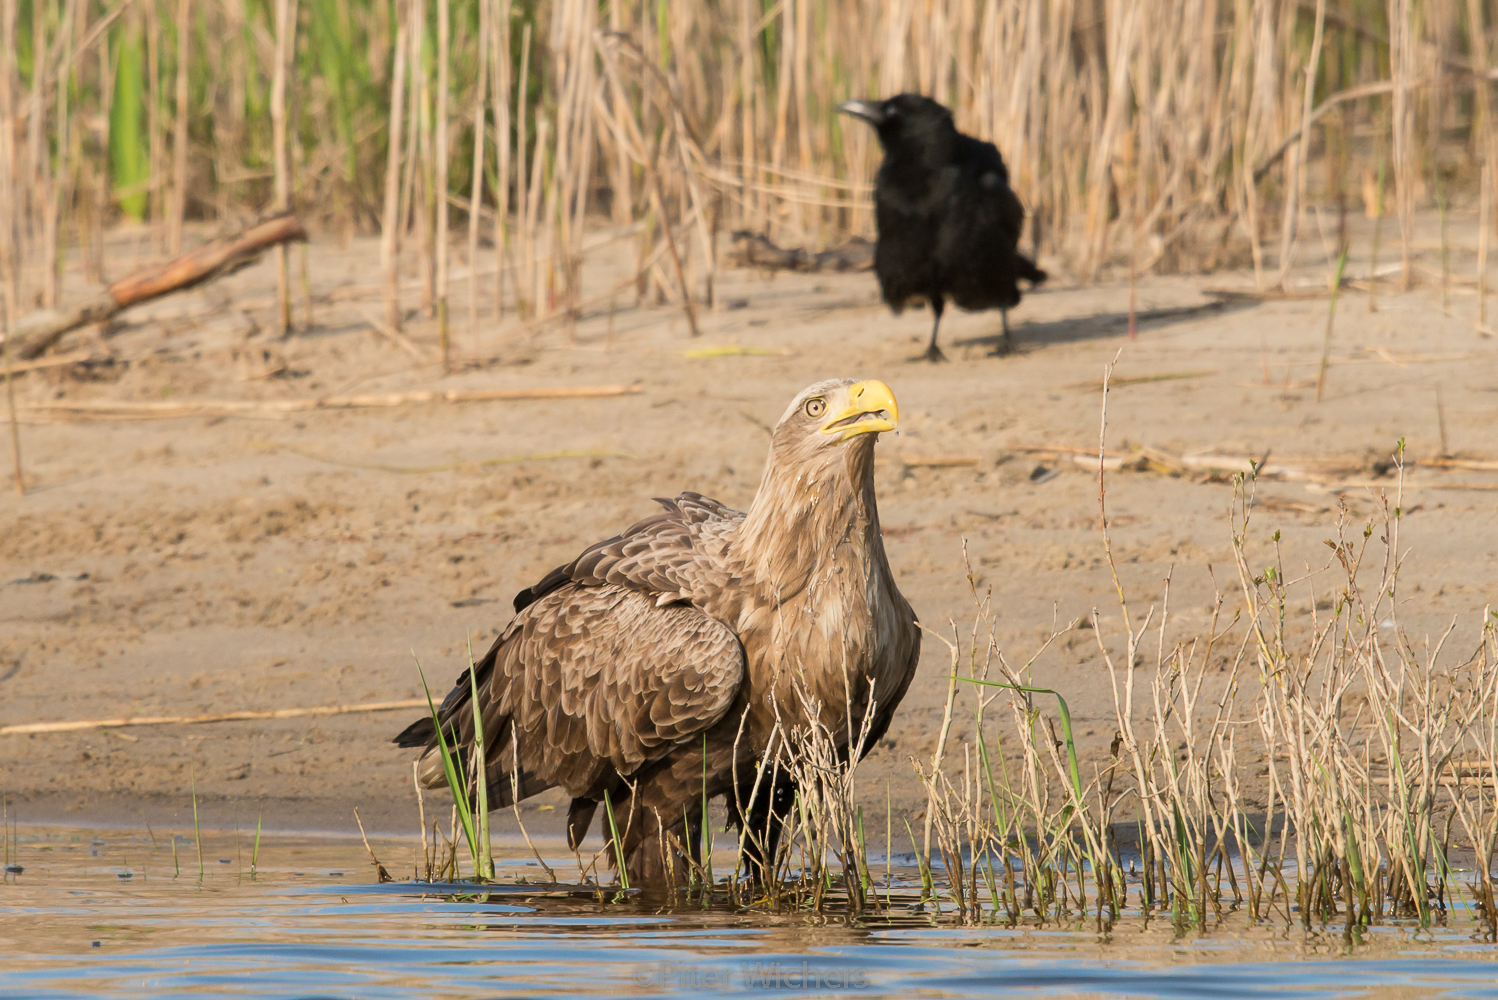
(608, 807)
(255, 851)
(1065, 712)
(197, 831)
(452, 770)
(483, 858)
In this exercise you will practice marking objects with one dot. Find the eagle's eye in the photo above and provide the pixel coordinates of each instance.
(815, 407)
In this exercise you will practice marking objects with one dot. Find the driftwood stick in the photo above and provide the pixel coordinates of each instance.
(391, 334)
(1351, 94)
(40, 330)
(273, 407)
(177, 720)
(76, 357)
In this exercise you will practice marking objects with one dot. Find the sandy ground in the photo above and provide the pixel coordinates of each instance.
(208, 564)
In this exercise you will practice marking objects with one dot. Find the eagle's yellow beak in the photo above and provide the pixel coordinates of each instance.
(871, 409)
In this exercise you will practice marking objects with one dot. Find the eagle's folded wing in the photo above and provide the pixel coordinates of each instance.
(675, 554)
(588, 683)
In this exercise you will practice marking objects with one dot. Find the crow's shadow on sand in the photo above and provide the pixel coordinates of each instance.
(1030, 336)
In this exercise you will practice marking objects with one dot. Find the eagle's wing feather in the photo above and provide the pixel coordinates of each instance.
(675, 554)
(590, 682)
(607, 664)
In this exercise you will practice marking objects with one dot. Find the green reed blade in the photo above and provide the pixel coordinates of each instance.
(255, 851)
(707, 829)
(129, 156)
(452, 770)
(197, 832)
(608, 808)
(484, 858)
(1065, 712)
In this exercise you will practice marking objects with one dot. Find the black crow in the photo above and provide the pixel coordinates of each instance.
(949, 224)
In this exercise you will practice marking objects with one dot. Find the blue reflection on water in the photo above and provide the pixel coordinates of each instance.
(66, 935)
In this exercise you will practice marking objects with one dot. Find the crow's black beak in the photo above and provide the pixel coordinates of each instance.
(870, 111)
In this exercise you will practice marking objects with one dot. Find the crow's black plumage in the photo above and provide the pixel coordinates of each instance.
(949, 224)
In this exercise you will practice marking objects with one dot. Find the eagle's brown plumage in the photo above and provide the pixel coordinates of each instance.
(671, 650)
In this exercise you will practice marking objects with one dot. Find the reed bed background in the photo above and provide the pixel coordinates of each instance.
(483, 139)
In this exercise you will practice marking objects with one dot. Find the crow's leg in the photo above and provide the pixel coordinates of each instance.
(933, 353)
(762, 820)
(1005, 344)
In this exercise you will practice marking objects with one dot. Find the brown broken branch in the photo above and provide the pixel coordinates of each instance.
(938, 461)
(103, 409)
(76, 357)
(756, 250)
(1097, 384)
(40, 330)
(175, 720)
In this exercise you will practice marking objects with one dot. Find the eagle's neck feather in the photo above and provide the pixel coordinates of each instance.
(813, 518)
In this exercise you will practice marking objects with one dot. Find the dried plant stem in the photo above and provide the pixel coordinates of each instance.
(421, 812)
(390, 222)
(686, 290)
(179, 137)
(443, 181)
(381, 874)
(502, 158)
(11, 223)
(475, 201)
(285, 44)
(1401, 64)
(1295, 186)
(10, 405)
(1484, 213)
(1331, 319)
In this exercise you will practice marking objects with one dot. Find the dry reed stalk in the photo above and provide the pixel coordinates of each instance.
(178, 210)
(1297, 173)
(390, 222)
(37, 173)
(442, 180)
(55, 167)
(1484, 213)
(10, 402)
(1477, 38)
(11, 224)
(285, 45)
(394, 336)
(1196, 101)
(155, 139)
(1402, 69)
(102, 179)
(532, 262)
(424, 187)
(480, 141)
(381, 875)
(502, 158)
(521, 281)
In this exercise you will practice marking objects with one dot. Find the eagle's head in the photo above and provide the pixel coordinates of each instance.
(831, 427)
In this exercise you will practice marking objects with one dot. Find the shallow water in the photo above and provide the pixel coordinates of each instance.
(105, 915)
